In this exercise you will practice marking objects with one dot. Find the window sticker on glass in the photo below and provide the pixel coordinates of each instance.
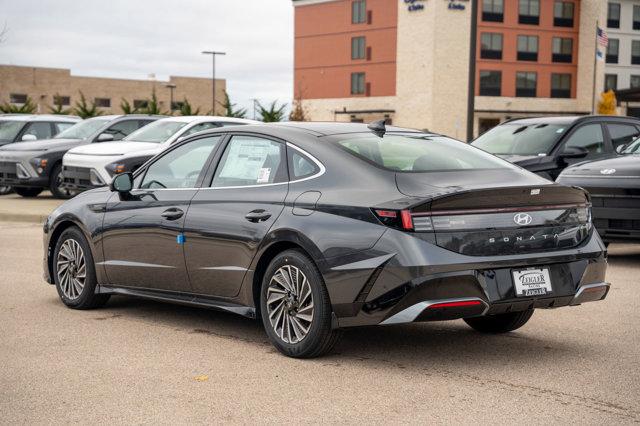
(249, 156)
(560, 130)
(263, 175)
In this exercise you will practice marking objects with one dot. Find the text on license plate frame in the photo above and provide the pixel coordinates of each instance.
(532, 282)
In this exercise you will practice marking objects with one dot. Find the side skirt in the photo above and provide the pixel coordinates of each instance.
(180, 298)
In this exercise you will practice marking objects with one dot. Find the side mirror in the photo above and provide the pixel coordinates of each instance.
(28, 137)
(122, 183)
(621, 148)
(105, 137)
(574, 152)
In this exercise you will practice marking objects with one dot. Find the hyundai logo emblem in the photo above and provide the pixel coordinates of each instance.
(522, 219)
(607, 171)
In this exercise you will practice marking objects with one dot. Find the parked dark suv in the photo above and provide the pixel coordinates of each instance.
(31, 167)
(547, 145)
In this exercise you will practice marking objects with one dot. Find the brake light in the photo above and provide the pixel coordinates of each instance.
(455, 304)
(387, 213)
(395, 219)
(407, 220)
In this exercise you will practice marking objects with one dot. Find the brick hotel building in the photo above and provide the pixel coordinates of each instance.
(408, 60)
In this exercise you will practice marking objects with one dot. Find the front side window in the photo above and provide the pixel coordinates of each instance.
(417, 153)
(490, 83)
(613, 49)
(521, 139)
(39, 129)
(9, 130)
(156, 132)
(359, 12)
(563, 13)
(527, 48)
(560, 85)
(588, 137)
(529, 12)
(181, 167)
(610, 82)
(250, 161)
(526, 84)
(357, 83)
(491, 46)
(622, 134)
(613, 15)
(635, 52)
(83, 129)
(122, 129)
(358, 48)
(562, 50)
(493, 10)
(61, 127)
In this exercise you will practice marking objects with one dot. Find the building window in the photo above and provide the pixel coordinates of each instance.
(613, 15)
(529, 12)
(61, 100)
(612, 51)
(357, 83)
(560, 85)
(610, 82)
(491, 46)
(562, 50)
(358, 48)
(140, 103)
(103, 102)
(634, 82)
(527, 48)
(359, 12)
(636, 17)
(18, 98)
(526, 84)
(563, 14)
(490, 83)
(635, 52)
(493, 10)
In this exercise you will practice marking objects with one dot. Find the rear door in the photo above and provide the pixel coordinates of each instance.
(142, 240)
(227, 221)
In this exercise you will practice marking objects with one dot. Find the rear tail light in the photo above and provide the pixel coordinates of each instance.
(400, 219)
(458, 304)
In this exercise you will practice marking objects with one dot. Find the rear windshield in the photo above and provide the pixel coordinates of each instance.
(158, 132)
(418, 153)
(519, 139)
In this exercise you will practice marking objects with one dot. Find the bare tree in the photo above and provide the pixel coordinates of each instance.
(3, 33)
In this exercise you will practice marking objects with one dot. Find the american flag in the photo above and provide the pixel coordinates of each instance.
(603, 39)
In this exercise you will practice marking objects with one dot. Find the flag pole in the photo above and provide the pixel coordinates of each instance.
(595, 67)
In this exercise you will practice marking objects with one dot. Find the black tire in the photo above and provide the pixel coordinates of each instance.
(28, 192)
(55, 183)
(320, 338)
(501, 323)
(4, 190)
(87, 298)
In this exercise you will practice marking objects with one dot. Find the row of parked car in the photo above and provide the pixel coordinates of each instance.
(61, 153)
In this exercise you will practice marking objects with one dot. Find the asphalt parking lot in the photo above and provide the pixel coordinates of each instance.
(145, 362)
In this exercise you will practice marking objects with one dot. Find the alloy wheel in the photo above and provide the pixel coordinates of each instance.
(71, 269)
(290, 304)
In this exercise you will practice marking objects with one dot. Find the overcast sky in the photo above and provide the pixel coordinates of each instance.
(134, 38)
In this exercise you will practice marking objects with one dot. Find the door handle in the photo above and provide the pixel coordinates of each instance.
(172, 214)
(256, 216)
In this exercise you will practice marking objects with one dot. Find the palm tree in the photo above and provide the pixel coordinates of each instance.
(153, 106)
(187, 109)
(28, 107)
(127, 108)
(273, 113)
(57, 107)
(230, 110)
(85, 110)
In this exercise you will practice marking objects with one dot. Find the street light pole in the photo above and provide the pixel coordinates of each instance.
(170, 86)
(213, 76)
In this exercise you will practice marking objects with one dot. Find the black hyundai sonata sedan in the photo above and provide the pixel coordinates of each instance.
(313, 227)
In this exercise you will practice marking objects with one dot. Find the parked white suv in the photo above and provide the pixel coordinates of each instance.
(94, 165)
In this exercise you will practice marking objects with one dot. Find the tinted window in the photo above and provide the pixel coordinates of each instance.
(156, 132)
(122, 129)
(589, 137)
(300, 166)
(180, 167)
(622, 134)
(251, 160)
(200, 127)
(61, 127)
(39, 129)
(419, 153)
(358, 12)
(521, 139)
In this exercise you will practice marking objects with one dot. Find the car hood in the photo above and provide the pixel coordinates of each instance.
(42, 145)
(114, 148)
(436, 184)
(623, 166)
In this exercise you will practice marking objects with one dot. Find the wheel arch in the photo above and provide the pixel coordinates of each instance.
(61, 225)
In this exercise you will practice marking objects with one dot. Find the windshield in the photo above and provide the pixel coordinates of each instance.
(83, 129)
(632, 148)
(521, 139)
(10, 129)
(158, 132)
(419, 153)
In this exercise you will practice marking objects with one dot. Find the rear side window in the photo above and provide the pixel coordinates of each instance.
(300, 166)
(249, 161)
(622, 134)
(419, 153)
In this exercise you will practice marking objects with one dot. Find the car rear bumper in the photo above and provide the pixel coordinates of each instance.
(428, 283)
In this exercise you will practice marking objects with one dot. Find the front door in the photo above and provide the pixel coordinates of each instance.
(227, 221)
(143, 241)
